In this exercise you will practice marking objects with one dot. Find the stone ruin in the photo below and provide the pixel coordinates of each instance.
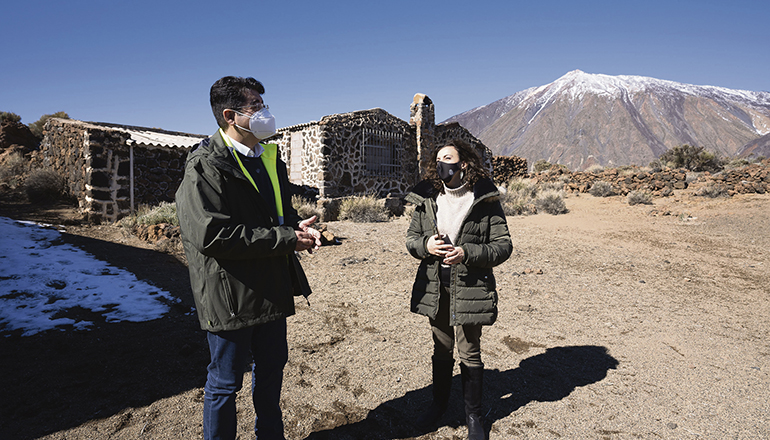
(112, 169)
(367, 152)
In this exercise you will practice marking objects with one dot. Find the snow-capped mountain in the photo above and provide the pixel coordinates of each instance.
(583, 119)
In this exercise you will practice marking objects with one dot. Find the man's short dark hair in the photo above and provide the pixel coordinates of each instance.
(230, 92)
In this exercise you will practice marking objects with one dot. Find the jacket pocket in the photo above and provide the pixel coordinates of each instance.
(227, 294)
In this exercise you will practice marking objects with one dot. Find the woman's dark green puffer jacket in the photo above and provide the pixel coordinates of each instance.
(486, 243)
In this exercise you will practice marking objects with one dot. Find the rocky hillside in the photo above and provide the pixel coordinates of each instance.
(584, 119)
(757, 147)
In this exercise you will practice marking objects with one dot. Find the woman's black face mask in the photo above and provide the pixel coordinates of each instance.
(446, 171)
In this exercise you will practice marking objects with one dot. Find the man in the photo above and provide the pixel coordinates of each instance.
(240, 234)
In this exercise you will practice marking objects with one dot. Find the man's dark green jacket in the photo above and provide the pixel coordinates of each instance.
(243, 268)
(486, 243)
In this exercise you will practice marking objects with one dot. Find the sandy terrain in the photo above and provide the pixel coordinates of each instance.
(616, 322)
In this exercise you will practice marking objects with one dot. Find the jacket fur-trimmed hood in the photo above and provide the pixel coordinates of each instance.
(483, 189)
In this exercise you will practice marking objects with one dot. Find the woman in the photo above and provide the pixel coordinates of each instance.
(459, 232)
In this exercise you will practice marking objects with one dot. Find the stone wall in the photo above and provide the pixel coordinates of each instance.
(754, 178)
(623, 180)
(96, 163)
(505, 168)
(306, 166)
(158, 172)
(345, 168)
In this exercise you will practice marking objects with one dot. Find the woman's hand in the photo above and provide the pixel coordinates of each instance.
(454, 256)
(437, 247)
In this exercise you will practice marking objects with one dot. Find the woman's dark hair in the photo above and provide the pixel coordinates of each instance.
(474, 171)
(230, 92)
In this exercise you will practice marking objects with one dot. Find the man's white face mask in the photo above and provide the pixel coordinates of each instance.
(261, 123)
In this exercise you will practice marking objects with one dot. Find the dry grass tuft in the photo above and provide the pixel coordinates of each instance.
(601, 188)
(639, 198)
(363, 209)
(305, 208)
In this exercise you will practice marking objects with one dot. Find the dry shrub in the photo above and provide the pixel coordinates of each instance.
(601, 188)
(595, 169)
(551, 201)
(666, 192)
(13, 169)
(363, 209)
(540, 166)
(517, 197)
(305, 208)
(152, 215)
(639, 198)
(712, 190)
(522, 197)
(737, 163)
(163, 213)
(44, 185)
(691, 158)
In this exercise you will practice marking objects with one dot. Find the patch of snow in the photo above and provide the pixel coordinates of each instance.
(41, 279)
(578, 83)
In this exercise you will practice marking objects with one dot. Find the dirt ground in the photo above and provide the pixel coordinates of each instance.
(616, 322)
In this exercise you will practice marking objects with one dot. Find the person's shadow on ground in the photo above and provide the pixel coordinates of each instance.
(547, 377)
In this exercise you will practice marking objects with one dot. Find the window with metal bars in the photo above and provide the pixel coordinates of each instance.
(382, 152)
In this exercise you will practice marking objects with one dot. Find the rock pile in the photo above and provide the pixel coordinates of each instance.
(16, 133)
(154, 233)
(754, 178)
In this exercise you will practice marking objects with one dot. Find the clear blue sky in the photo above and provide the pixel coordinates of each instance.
(151, 63)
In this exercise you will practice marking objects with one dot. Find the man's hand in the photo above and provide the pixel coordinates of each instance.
(306, 233)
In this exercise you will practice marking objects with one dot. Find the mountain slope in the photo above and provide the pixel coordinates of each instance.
(583, 119)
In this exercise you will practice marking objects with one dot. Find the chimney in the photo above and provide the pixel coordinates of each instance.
(423, 119)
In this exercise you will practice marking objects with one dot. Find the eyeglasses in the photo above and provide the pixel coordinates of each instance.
(255, 107)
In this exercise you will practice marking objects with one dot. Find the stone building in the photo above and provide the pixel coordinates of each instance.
(367, 151)
(112, 169)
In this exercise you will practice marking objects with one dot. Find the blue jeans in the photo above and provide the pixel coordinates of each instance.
(231, 353)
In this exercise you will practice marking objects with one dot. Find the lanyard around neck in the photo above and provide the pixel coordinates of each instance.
(226, 138)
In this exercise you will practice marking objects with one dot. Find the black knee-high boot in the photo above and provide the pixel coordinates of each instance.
(442, 384)
(473, 378)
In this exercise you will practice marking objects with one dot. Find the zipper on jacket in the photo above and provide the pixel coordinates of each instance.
(228, 294)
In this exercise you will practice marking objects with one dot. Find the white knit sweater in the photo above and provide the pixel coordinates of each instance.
(452, 207)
